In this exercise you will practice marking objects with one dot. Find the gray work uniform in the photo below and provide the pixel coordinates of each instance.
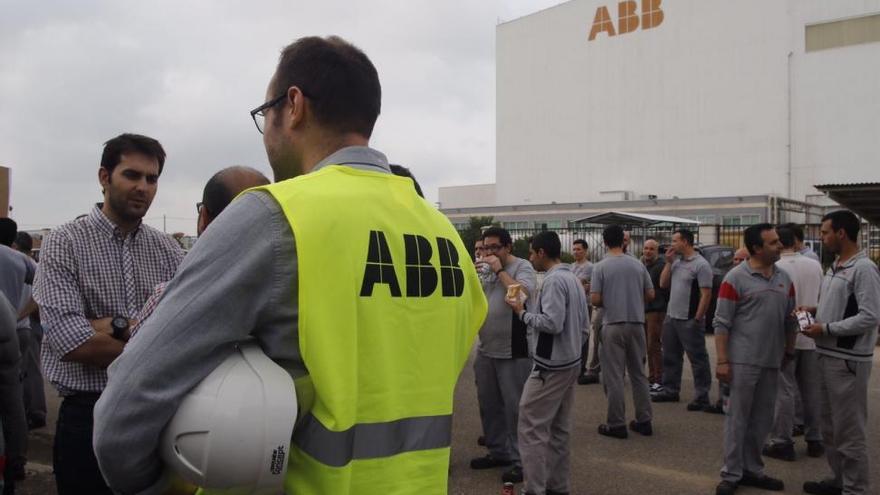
(849, 305)
(556, 334)
(622, 281)
(502, 363)
(682, 333)
(584, 272)
(799, 378)
(755, 312)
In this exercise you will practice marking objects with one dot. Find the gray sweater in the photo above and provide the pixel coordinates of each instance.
(556, 325)
(849, 303)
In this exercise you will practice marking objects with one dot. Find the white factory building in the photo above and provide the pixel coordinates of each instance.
(714, 110)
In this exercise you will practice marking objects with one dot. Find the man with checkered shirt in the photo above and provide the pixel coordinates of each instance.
(94, 275)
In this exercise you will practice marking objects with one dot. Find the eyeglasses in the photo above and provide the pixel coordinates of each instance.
(259, 113)
(199, 207)
(492, 247)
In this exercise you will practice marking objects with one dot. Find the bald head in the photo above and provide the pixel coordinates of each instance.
(222, 188)
(650, 250)
(740, 255)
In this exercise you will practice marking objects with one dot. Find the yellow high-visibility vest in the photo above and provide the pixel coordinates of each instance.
(389, 306)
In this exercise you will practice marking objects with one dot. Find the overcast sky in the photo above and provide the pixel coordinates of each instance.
(74, 74)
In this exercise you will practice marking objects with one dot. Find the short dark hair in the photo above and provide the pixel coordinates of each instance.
(846, 220)
(787, 235)
(613, 236)
(686, 234)
(402, 171)
(582, 242)
(796, 230)
(339, 80)
(217, 195)
(501, 233)
(549, 242)
(752, 236)
(124, 144)
(8, 229)
(25, 242)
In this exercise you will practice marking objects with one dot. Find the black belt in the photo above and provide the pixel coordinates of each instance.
(83, 398)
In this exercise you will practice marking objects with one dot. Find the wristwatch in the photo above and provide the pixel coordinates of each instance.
(120, 327)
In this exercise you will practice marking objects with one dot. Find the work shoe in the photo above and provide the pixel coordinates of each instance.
(698, 405)
(481, 440)
(725, 488)
(664, 397)
(797, 430)
(781, 451)
(616, 432)
(815, 448)
(824, 487)
(588, 379)
(512, 475)
(762, 481)
(489, 462)
(716, 408)
(643, 428)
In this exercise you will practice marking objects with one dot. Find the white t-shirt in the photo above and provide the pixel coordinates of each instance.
(806, 274)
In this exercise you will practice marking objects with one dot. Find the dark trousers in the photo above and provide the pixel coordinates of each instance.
(76, 468)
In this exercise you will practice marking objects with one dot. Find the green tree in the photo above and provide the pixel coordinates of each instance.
(474, 231)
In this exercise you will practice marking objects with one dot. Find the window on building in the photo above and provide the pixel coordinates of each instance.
(750, 219)
(515, 225)
(730, 220)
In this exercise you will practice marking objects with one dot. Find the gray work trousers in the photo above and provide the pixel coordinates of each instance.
(843, 405)
(31, 343)
(594, 366)
(499, 389)
(623, 351)
(685, 336)
(800, 375)
(749, 419)
(545, 413)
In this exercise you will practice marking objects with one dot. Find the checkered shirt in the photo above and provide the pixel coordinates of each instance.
(88, 270)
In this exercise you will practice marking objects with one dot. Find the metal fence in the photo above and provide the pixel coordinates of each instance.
(727, 235)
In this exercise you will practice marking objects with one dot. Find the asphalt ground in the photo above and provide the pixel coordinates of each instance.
(683, 456)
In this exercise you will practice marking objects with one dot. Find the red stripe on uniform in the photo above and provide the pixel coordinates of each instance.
(791, 291)
(728, 292)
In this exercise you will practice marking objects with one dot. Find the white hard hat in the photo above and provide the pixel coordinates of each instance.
(233, 429)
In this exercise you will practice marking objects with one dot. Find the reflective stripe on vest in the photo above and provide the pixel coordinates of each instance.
(389, 307)
(368, 441)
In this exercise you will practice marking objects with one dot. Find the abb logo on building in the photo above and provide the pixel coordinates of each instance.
(628, 18)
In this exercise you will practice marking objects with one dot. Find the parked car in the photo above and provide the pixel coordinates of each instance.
(720, 258)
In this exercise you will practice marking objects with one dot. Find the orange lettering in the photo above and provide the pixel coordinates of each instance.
(602, 22)
(627, 16)
(652, 14)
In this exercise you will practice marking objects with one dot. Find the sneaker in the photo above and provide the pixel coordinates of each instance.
(824, 487)
(616, 432)
(797, 430)
(716, 408)
(655, 388)
(664, 397)
(643, 428)
(698, 405)
(725, 488)
(781, 451)
(481, 440)
(588, 379)
(815, 448)
(762, 481)
(489, 462)
(512, 475)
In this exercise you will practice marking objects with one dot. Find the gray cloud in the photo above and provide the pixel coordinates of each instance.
(75, 74)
